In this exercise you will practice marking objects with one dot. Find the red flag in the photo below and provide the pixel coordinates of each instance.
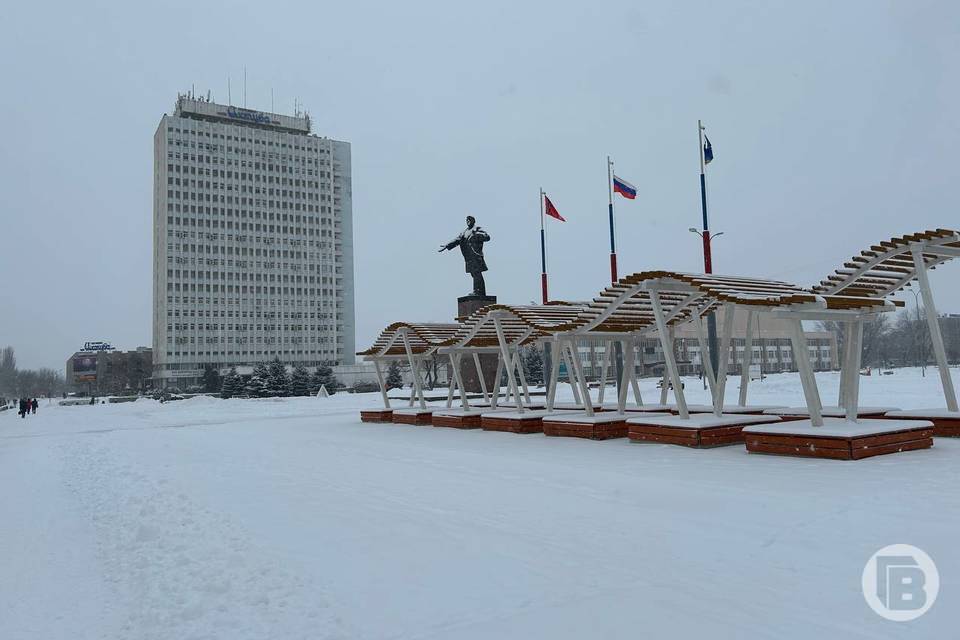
(551, 210)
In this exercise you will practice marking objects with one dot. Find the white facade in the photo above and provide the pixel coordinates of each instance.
(252, 245)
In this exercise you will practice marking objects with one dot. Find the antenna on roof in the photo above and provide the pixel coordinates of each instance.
(244, 87)
(271, 99)
(229, 95)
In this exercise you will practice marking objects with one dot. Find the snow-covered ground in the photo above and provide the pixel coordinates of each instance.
(290, 519)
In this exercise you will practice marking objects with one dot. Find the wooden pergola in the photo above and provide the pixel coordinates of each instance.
(651, 302)
(658, 300)
(414, 343)
(501, 330)
(886, 269)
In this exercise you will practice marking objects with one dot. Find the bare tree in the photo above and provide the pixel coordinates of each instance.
(875, 348)
(8, 372)
(40, 382)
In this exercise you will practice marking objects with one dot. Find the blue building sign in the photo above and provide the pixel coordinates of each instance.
(249, 116)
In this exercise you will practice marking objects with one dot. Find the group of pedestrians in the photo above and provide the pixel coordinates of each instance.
(28, 406)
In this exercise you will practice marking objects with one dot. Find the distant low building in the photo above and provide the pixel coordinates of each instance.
(110, 372)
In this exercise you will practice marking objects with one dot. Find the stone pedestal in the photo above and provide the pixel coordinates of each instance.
(466, 305)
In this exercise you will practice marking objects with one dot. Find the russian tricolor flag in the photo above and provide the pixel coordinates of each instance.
(624, 188)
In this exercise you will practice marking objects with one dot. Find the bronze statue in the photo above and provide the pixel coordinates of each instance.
(471, 242)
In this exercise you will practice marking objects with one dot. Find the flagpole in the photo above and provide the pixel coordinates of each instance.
(613, 242)
(707, 256)
(543, 253)
(617, 350)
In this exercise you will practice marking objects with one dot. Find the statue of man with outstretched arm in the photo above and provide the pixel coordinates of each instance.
(471, 242)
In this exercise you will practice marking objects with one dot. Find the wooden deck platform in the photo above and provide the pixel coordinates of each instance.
(701, 430)
(802, 413)
(600, 426)
(651, 408)
(735, 409)
(534, 405)
(578, 407)
(412, 416)
(731, 409)
(839, 439)
(457, 418)
(515, 421)
(376, 415)
(946, 424)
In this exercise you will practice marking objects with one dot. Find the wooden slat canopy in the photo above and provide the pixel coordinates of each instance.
(424, 338)
(626, 306)
(520, 323)
(886, 268)
(623, 307)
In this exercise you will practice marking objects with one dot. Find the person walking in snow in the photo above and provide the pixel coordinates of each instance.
(23, 408)
(33, 405)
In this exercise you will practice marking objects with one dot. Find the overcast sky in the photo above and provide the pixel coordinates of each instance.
(834, 125)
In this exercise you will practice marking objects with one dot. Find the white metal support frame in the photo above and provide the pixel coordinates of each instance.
(706, 362)
(629, 379)
(483, 382)
(747, 358)
(665, 380)
(634, 383)
(809, 383)
(847, 330)
(508, 361)
(851, 394)
(604, 369)
(593, 359)
(521, 375)
(578, 376)
(495, 396)
(383, 384)
(936, 337)
(723, 360)
(452, 383)
(458, 376)
(554, 376)
(570, 371)
(417, 388)
(671, 363)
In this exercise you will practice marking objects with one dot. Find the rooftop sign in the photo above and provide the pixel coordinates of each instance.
(240, 115)
(97, 346)
(257, 117)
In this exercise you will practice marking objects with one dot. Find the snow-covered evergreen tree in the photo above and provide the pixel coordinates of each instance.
(211, 380)
(532, 363)
(394, 377)
(278, 383)
(232, 385)
(300, 381)
(256, 386)
(323, 377)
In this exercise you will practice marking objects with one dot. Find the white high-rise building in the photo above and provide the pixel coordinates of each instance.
(252, 242)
